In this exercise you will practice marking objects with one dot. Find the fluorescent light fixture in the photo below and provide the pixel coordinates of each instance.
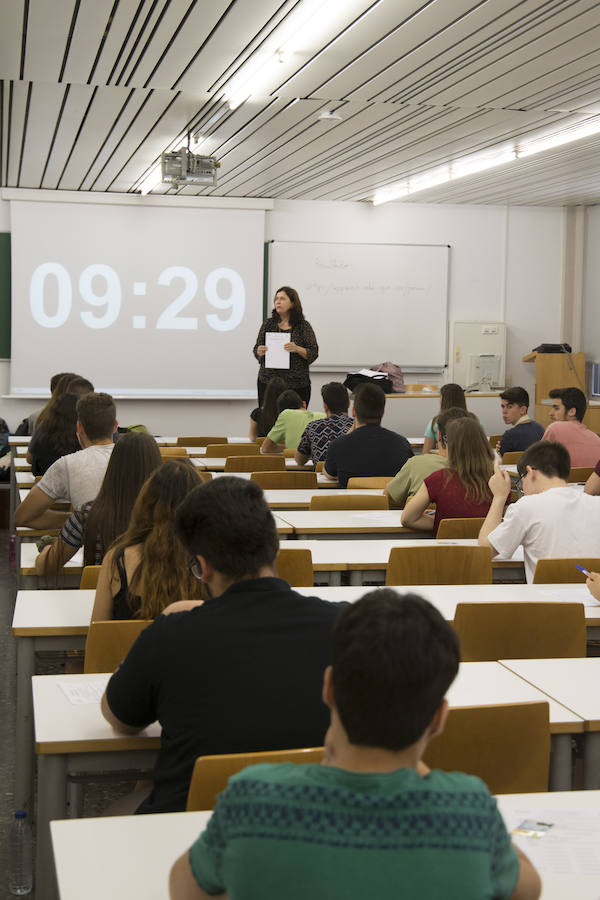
(471, 165)
(152, 180)
(567, 136)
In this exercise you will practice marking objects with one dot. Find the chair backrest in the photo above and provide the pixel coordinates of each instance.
(168, 452)
(506, 746)
(434, 388)
(289, 452)
(325, 500)
(512, 457)
(89, 578)
(493, 439)
(108, 643)
(199, 441)
(204, 476)
(579, 474)
(492, 631)
(320, 465)
(439, 565)
(370, 481)
(563, 571)
(290, 481)
(217, 450)
(294, 565)
(211, 773)
(255, 464)
(459, 528)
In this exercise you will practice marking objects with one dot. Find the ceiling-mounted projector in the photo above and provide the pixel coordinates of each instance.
(183, 167)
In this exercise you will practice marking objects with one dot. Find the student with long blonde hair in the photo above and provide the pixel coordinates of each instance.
(146, 569)
(461, 490)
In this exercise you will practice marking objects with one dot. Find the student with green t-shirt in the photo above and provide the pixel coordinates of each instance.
(372, 820)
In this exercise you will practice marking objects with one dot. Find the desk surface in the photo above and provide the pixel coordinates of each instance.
(351, 554)
(40, 613)
(29, 554)
(299, 498)
(572, 682)
(350, 521)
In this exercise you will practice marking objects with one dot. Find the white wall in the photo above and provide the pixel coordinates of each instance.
(506, 264)
(591, 285)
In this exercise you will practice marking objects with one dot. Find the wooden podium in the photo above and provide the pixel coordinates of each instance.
(553, 370)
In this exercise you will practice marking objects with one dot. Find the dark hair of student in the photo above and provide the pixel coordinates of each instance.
(369, 404)
(269, 411)
(394, 657)
(67, 383)
(451, 396)
(59, 428)
(516, 395)
(289, 400)
(97, 414)
(296, 313)
(229, 523)
(335, 396)
(470, 457)
(455, 412)
(134, 458)
(54, 381)
(162, 575)
(549, 457)
(572, 397)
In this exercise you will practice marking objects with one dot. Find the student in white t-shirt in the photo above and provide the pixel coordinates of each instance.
(75, 478)
(553, 519)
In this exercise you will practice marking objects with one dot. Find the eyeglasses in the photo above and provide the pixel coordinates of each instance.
(194, 569)
(521, 479)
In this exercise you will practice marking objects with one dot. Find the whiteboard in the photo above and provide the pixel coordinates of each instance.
(369, 303)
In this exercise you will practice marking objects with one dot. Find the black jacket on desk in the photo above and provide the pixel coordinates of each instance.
(241, 673)
(369, 451)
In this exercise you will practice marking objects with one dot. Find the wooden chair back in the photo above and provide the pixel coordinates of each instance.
(217, 450)
(512, 457)
(433, 388)
(289, 453)
(324, 500)
(294, 565)
(579, 474)
(492, 631)
(199, 441)
(251, 463)
(89, 578)
(108, 643)
(506, 746)
(211, 773)
(259, 441)
(563, 571)
(456, 529)
(204, 476)
(493, 439)
(439, 565)
(169, 452)
(282, 481)
(320, 466)
(370, 481)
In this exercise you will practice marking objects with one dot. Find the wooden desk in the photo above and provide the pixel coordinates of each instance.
(299, 498)
(574, 684)
(366, 522)
(70, 577)
(322, 481)
(217, 464)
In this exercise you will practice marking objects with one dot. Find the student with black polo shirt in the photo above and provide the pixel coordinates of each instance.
(368, 449)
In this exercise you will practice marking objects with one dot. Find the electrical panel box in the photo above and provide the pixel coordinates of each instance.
(478, 354)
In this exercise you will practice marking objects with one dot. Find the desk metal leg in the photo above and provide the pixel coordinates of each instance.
(561, 763)
(591, 760)
(335, 578)
(51, 804)
(24, 725)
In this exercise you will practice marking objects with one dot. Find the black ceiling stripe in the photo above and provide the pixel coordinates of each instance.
(130, 125)
(109, 22)
(79, 130)
(132, 25)
(24, 38)
(145, 138)
(203, 44)
(8, 128)
(170, 43)
(584, 81)
(56, 127)
(107, 138)
(24, 136)
(149, 40)
(69, 39)
(137, 40)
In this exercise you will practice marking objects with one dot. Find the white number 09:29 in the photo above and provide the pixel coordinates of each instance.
(110, 298)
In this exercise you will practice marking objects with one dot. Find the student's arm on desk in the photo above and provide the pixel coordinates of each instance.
(500, 487)
(106, 589)
(35, 512)
(268, 446)
(529, 883)
(116, 723)
(414, 515)
(52, 558)
(183, 885)
(592, 485)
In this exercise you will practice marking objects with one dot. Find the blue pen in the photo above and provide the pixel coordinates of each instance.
(581, 569)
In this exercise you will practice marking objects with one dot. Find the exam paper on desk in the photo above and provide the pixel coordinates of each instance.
(570, 847)
(82, 692)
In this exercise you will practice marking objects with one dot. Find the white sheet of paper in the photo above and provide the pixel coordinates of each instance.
(570, 847)
(276, 357)
(83, 691)
(572, 594)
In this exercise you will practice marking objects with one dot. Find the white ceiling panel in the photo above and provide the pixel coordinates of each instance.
(44, 111)
(11, 31)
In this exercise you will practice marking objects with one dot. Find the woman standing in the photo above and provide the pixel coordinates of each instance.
(287, 317)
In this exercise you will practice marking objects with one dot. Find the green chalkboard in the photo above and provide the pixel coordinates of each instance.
(4, 296)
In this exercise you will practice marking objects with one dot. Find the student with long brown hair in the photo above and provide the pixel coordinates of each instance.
(146, 569)
(451, 396)
(55, 432)
(461, 490)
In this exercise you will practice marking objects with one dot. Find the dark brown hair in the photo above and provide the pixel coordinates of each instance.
(296, 313)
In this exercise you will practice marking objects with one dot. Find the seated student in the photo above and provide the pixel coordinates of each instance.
(414, 471)
(524, 431)
(27, 426)
(242, 672)
(262, 418)
(592, 485)
(451, 396)
(318, 435)
(76, 478)
(568, 409)
(41, 452)
(292, 420)
(461, 490)
(56, 436)
(550, 520)
(369, 449)
(97, 524)
(146, 568)
(372, 820)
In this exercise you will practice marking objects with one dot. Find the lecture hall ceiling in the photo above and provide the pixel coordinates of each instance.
(93, 91)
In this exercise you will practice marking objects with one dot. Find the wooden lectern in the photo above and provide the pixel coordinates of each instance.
(553, 370)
